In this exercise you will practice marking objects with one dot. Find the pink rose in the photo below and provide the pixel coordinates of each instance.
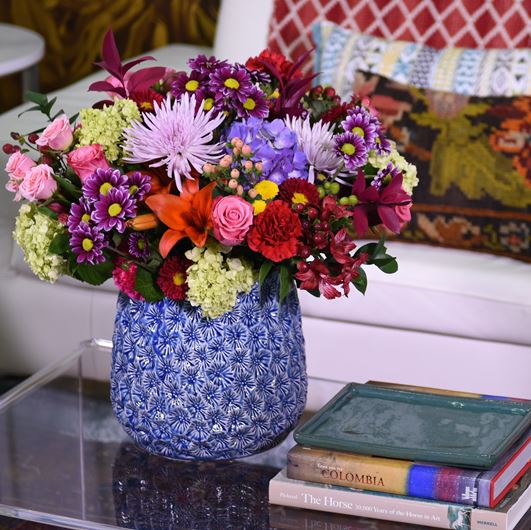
(232, 217)
(17, 166)
(85, 160)
(58, 135)
(38, 184)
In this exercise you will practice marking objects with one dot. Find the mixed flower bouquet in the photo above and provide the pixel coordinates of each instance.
(193, 186)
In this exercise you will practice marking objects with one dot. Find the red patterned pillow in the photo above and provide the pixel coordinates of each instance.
(437, 23)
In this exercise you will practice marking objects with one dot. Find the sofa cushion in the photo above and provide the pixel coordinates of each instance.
(492, 72)
(472, 156)
(443, 291)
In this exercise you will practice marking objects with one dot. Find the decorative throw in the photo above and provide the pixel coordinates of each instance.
(494, 72)
(437, 23)
(473, 157)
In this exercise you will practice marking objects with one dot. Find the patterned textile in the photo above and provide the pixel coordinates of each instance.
(437, 23)
(473, 157)
(495, 72)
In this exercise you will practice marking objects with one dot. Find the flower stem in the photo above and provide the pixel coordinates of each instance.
(128, 258)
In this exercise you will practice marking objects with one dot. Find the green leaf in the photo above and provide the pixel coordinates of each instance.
(286, 282)
(36, 97)
(60, 244)
(360, 283)
(146, 286)
(95, 274)
(47, 212)
(68, 186)
(265, 269)
(389, 266)
(73, 118)
(380, 248)
(29, 110)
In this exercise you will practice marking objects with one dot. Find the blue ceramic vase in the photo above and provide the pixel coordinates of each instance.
(193, 388)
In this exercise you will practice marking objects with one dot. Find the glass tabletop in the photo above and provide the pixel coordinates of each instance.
(65, 461)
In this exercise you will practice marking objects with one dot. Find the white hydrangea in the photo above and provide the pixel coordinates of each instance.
(409, 171)
(34, 233)
(214, 281)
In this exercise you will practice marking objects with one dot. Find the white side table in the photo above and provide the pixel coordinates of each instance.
(20, 51)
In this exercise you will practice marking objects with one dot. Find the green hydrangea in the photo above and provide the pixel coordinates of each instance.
(105, 126)
(34, 232)
(409, 171)
(214, 280)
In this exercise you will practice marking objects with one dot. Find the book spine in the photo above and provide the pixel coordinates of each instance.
(350, 502)
(384, 475)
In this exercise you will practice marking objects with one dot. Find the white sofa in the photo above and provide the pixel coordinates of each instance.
(448, 318)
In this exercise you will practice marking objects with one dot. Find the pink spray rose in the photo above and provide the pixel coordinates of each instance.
(85, 160)
(17, 166)
(58, 135)
(38, 184)
(232, 217)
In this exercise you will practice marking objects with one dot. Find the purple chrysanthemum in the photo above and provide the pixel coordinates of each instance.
(205, 64)
(88, 243)
(101, 182)
(255, 105)
(187, 83)
(139, 184)
(352, 149)
(361, 123)
(231, 82)
(113, 209)
(176, 135)
(138, 245)
(79, 213)
(382, 175)
(382, 144)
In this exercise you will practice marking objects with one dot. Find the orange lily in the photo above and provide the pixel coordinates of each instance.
(186, 215)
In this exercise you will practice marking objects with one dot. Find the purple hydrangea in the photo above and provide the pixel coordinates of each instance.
(139, 184)
(101, 182)
(380, 179)
(275, 145)
(231, 82)
(79, 213)
(360, 122)
(138, 245)
(113, 209)
(88, 243)
(352, 149)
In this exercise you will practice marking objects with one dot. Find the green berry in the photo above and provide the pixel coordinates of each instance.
(327, 185)
(353, 200)
(334, 188)
(344, 201)
(321, 191)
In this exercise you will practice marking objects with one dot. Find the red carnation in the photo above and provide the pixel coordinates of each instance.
(277, 60)
(299, 191)
(275, 232)
(172, 277)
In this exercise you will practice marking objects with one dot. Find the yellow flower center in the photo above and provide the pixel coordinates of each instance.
(114, 209)
(209, 103)
(146, 105)
(133, 189)
(192, 85)
(232, 83)
(267, 189)
(348, 149)
(259, 206)
(178, 278)
(249, 104)
(359, 131)
(275, 94)
(299, 198)
(105, 187)
(85, 218)
(87, 244)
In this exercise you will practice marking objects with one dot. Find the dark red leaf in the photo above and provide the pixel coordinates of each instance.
(104, 86)
(145, 78)
(111, 55)
(127, 66)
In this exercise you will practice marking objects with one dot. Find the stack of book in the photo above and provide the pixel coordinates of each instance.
(344, 461)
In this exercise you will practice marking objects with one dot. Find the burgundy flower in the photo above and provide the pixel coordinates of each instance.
(350, 270)
(316, 276)
(341, 245)
(299, 191)
(386, 203)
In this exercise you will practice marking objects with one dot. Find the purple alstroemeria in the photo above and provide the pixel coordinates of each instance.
(88, 243)
(378, 205)
(113, 210)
